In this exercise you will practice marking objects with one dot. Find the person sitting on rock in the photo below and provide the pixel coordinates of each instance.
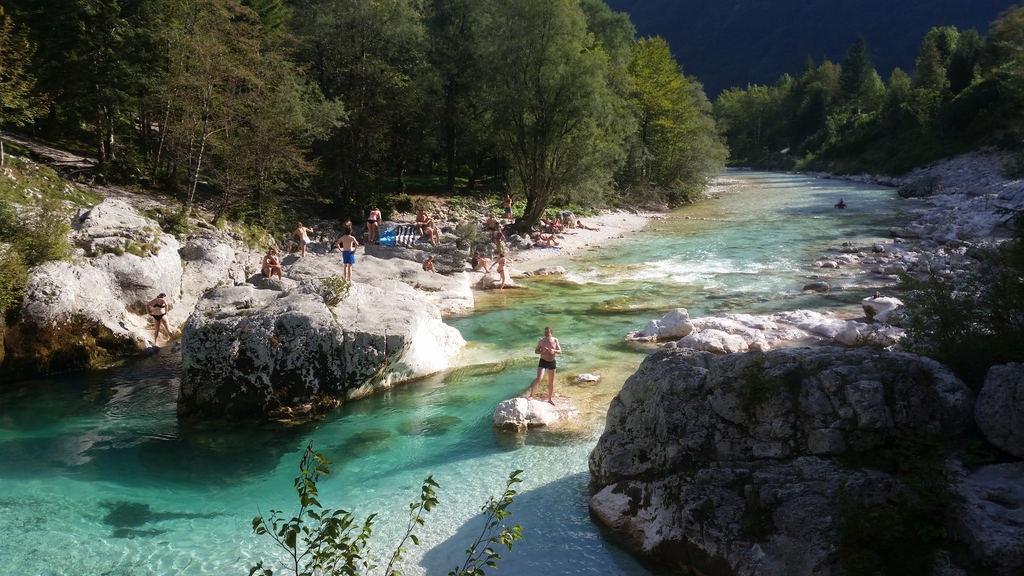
(479, 262)
(553, 226)
(422, 221)
(271, 265)
(544, 241)
(430, 231)
(428, 264)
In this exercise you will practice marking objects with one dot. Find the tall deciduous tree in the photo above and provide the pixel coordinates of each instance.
(556, 120)
(452, 28)
(18, 104)
(963, 67)
(366, 55)
(678, 147)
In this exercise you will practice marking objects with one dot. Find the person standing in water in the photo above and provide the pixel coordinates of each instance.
(547, 347)
(158, 309)
(348, 245)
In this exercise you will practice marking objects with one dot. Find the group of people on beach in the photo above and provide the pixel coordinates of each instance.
(547, 347)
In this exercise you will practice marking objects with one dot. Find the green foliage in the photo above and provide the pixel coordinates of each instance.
(13, 276)
(480, 553)
(900, 535)
(39, 233)
(937, 325)
(469, 233)
(676, 148)
(28, 238)
(26, 183)
(975, 319)
(172, 222)
(556, 120)
(963, 90)
(18, 104)
(323, 541)
(334, 289)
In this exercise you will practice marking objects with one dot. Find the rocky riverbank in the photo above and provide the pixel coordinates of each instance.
(817, 460)
(808, 461)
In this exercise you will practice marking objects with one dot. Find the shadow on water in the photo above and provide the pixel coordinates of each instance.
(120, 425)
(125, 517)
(538, 552)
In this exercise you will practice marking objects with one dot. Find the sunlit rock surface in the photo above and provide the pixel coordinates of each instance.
(276, 349)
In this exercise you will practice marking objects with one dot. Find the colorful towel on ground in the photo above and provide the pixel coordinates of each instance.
(404, 235)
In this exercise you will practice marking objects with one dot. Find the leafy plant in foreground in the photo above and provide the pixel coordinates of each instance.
(321, 541)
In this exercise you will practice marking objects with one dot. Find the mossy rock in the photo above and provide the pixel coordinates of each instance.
(77, 344)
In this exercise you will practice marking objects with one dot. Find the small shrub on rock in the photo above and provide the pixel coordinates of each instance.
(334, 289)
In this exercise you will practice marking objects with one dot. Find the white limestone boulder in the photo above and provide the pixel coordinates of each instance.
(734, 465)
(712, 340)
(671, 326)
(1000, 408)
(249, 352)
(878, 308)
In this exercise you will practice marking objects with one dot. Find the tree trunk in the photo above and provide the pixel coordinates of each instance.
(101, 147)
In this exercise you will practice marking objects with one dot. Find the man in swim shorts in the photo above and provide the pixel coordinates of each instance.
(547, 347)
(508, 208)
(348, 245)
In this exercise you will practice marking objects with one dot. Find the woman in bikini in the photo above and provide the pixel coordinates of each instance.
(372, 225)
(158, 309)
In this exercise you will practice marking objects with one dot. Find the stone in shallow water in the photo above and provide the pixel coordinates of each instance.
(518, 414)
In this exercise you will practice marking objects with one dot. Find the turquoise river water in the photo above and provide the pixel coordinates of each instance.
(98, 476)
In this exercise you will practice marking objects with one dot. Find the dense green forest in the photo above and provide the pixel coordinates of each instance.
(965, 90)
(732, 43)
(349, 102)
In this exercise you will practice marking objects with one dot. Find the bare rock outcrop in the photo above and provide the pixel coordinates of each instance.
(277, 350)
(760, 463)
(731, 333)
(1000, 411)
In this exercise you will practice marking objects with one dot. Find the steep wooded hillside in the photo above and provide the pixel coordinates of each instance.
(727, 43)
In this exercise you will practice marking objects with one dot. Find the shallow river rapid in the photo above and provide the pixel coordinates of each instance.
(97, 475)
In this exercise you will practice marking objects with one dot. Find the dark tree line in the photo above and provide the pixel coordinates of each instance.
(251, 101)
(965, 90)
